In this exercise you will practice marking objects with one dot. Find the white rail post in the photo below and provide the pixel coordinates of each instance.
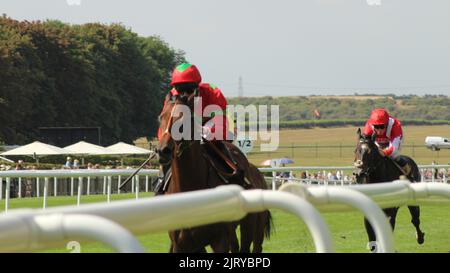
(37, 187)
(132, 184)
(1, 187)
(274, 180)
(55, 186)
(104, 185)
(88, 190)
(71, 186)
(433, 172)
(45, 192)
(137, 187)
(8, 184)
(19, 193)
(119, 181)
(146, 183)
(109, 189)
(80, 188)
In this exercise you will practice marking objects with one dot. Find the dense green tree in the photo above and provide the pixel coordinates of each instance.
(55, 74)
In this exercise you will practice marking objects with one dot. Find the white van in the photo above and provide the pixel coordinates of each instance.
(436, 143)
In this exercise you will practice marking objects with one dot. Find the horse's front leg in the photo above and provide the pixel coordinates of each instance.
(370, 234)
(234, 243)
(391, 213)
(221, 246)
(415, 220)
(221, 242)
(173, 235)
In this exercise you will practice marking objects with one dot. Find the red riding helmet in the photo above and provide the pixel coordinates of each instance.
(379, 117)
(186, 73)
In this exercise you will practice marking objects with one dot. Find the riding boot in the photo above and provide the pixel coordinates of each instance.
(403, 163)
(159, 188)
(159, 185)
(240, 172)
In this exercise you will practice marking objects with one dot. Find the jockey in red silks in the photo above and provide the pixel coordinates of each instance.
(186, 79)
(389, 135)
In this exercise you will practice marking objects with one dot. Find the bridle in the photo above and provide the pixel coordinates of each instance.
(363, 170)
(181, 145)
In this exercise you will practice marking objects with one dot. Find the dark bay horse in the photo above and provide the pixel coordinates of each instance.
(192, 168)
(371, 167)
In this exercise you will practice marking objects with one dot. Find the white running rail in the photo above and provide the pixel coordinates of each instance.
(161, 213)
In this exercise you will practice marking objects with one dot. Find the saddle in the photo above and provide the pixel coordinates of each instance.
(403, 164)
(228, 161)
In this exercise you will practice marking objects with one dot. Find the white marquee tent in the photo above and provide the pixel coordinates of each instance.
(36, 149)
(86, 148)
(122, 148)
(83, 148)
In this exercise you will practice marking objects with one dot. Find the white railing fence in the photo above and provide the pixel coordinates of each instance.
(320, 175)
(82, 180)
(81, 177)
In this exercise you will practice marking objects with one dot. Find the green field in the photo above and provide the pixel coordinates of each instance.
(291, 235)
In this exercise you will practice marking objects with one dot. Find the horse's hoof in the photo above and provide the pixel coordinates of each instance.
(420, 237)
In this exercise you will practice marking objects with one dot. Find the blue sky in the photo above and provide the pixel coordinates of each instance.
(286, 47)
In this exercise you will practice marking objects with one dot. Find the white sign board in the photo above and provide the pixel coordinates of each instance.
(245, 145)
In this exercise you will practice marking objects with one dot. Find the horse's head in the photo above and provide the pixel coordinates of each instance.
(366, 156)
(176, 126)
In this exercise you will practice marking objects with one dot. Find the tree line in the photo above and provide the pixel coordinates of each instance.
(54, 74)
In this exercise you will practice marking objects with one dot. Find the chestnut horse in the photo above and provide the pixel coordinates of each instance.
(374, 168)
(192, 167)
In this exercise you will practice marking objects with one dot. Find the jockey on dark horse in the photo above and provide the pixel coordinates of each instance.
(186, 80)
(389, 136)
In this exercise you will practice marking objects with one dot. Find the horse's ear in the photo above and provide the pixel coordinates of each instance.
(358, 132)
